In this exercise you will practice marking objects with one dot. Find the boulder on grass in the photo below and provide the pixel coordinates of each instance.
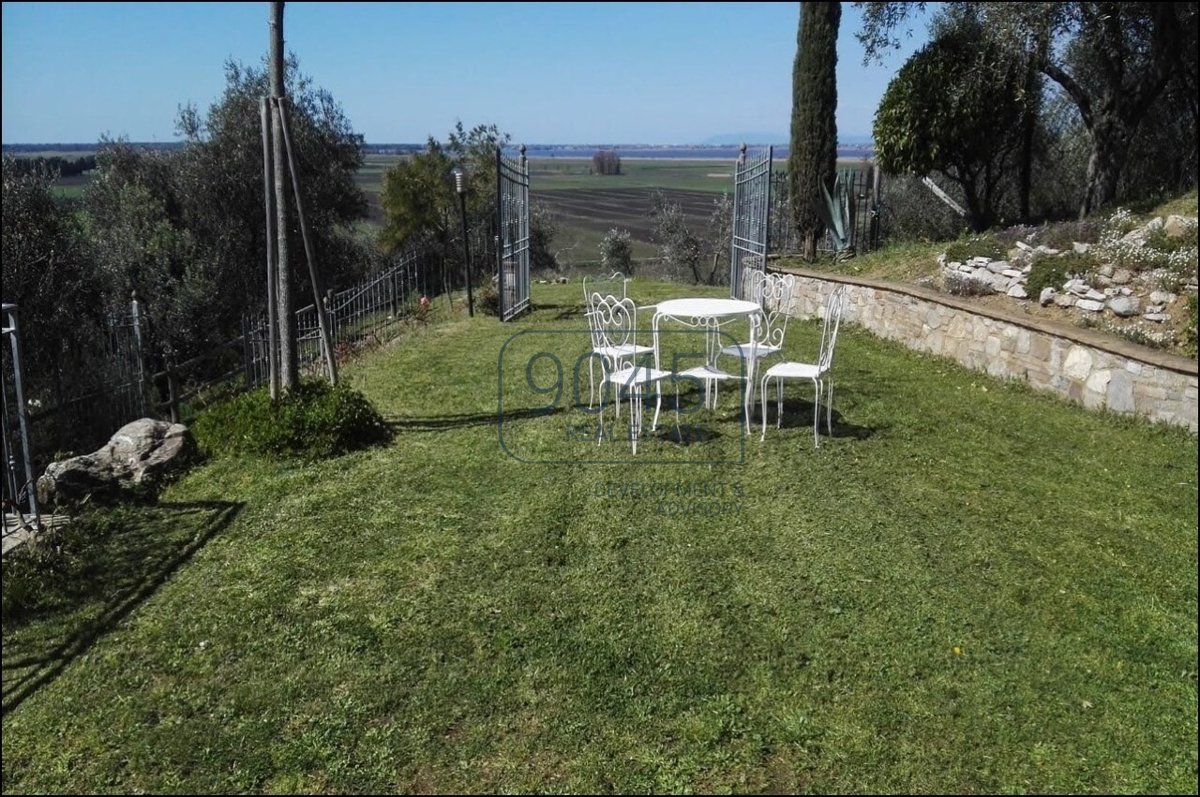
(139, 454)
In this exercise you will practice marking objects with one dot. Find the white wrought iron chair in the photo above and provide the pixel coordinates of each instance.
(595, 288)
(818, 373)
(775, 294)
(614, 329)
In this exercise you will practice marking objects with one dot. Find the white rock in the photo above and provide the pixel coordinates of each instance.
(1106, 271)
(1047, 296)
(996, 266)
(1095, 295)
(1064, 300)
(1018, 292)
(1124, 306)
(1159, 317)
(1081, 249)
(1161, 297)
(953, 264)
(1012, 273)
(1090, 305)
(1177, 226)
(1122, 276)
(1125, 291)
(1024, 247)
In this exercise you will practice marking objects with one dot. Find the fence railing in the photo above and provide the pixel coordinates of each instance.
(361, 312)
(864, 228)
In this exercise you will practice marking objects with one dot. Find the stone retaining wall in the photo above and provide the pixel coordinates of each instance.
(1079, 365)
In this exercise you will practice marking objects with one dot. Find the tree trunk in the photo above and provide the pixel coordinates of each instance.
(289, 370)
(1110, 147)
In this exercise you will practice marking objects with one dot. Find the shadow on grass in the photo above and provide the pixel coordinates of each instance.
(66, 593)
(565, 311)
(798, 414)
(443, 423)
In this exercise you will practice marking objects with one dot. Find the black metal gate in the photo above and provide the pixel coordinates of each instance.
(512, 238)
(751, 211)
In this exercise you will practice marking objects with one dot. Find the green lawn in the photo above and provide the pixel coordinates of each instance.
(967, 588)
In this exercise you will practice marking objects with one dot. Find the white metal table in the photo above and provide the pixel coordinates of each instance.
(709, 315)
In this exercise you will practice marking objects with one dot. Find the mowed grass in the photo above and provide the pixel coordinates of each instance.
(967, 588)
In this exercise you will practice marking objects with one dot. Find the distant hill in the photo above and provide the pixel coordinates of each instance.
(734, 139)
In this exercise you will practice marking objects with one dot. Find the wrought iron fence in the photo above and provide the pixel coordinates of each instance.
(865, 231)
(367, 310)
(96, 385)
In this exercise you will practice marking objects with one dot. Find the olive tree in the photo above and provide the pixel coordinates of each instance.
(955, 107)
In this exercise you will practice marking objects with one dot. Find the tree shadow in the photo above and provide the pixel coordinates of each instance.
(443, 423)
(112, 562)
(565, 311)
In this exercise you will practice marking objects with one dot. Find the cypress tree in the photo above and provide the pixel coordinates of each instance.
(812, 159)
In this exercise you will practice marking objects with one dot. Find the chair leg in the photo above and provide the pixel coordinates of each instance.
(591, 382)
(829, 410)
(763, 391)
(817, 387)
(779, 400)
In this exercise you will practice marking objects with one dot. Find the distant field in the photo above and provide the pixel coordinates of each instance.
(586, 206)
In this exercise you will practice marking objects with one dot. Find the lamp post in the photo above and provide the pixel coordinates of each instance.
(462, 204)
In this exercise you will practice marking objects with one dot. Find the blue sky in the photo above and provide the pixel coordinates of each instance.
(547, 73)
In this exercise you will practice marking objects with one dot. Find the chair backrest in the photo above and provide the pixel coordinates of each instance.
(830, 325)
(775, 294)
(613, 321)
(615, 284)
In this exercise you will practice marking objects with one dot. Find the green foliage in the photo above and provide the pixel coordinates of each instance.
(419, 197)
(837, 213)
(50, 275)
(616, 252)
(1048, 272)
(313, 421)
(955, 107)
(971, 246)
(543, 229)
(488, 299)
(185, 228)
(812, 157)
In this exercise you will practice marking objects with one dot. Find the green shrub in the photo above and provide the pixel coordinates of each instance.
(1054, 270)
(985, 245)
(489, 298)
(313, 421)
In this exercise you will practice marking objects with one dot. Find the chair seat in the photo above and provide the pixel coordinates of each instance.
(793, 370)
(623, 350)
(746, 351)
(636, 375)
(706, 372)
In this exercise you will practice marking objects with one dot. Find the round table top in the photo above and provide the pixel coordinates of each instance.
(706, 308)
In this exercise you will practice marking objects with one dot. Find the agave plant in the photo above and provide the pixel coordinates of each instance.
(838, 214)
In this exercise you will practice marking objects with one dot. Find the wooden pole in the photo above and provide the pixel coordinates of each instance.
(289, 369)
(272, 270)
(322, 320)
